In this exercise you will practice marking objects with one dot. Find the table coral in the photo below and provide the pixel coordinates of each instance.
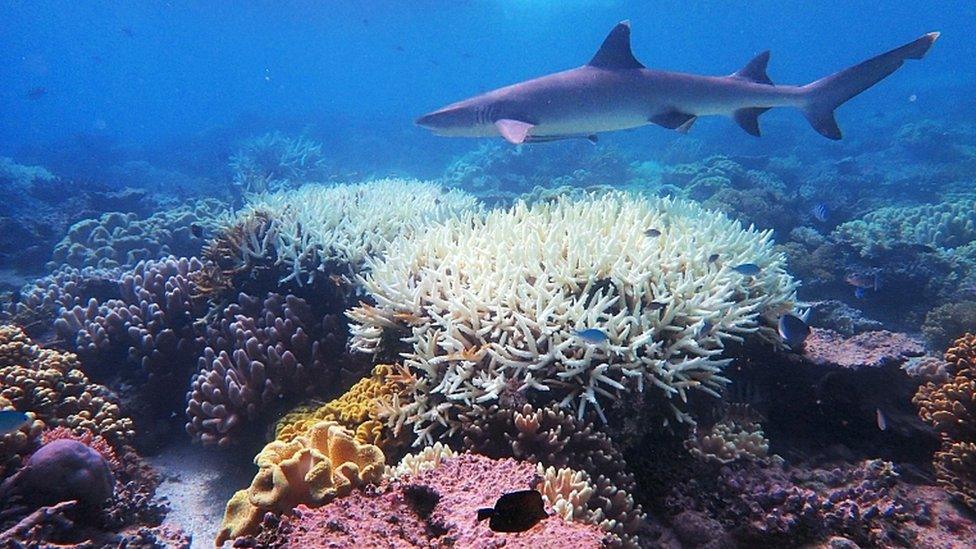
(312, 469)
(485, 305)
(51, 385)
(436, 507)
(867, 349)
(950, 407)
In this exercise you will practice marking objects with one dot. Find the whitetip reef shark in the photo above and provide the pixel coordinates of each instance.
(614, 91)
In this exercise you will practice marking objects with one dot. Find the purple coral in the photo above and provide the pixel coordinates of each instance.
(63, 470)
(259, 352)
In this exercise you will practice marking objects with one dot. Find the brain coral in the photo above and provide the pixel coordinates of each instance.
(52, 387)
(313, 470)
(334, 229)
(489, 305)
(950, 407)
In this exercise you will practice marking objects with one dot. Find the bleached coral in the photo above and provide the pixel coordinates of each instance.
(485, 305)
(320, 228)
(424, 460)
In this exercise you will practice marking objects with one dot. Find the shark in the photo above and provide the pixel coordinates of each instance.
(615, 91)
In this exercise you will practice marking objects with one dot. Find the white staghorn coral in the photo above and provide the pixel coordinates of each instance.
(319, 228)
(487, 305)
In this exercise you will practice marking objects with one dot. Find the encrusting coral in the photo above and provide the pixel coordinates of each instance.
(950, 407)
(325, 463)
(489, 304)
(359, 409)
(50, 385)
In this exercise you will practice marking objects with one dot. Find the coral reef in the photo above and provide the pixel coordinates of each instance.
(945, 323)
(321, 230)
(947, 225)
(950, 407)
(735, 437)
(360, 409)
(868, 349)
(433, 507)
(494, 305)
(258, 353)
(62, 470)
(313, 470)
(119, 239)
(274, 161)
(50, 385)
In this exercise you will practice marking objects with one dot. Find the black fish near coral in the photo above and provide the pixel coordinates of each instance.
(515, 511)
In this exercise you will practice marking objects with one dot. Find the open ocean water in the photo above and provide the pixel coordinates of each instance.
(532, 273)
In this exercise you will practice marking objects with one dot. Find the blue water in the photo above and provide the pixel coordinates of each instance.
(148, 77)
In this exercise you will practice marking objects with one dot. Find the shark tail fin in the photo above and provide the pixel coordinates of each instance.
(826, 94)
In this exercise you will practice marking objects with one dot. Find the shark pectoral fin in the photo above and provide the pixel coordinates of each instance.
(748, 119)
(674, 120)
(514, 131)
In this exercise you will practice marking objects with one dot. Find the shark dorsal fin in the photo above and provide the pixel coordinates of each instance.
(755, 70)
(615, 52)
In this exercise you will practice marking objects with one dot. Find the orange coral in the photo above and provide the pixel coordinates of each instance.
(950, 407)
(359, 409)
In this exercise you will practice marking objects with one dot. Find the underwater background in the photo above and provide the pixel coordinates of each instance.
(245, 297)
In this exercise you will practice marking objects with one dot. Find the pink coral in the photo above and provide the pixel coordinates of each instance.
(869, 349)
(432, 508)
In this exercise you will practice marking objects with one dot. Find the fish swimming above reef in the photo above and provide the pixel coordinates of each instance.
(593, 336)
(515, 511)
(747, 269)
(794, 329)
(11, 420)
(614, 91)
(863, 281)
(820, 212)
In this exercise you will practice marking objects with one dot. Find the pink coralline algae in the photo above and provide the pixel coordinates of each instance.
(865, 350)
(438, 508)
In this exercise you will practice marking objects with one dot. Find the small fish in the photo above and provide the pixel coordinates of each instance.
(713, 258)
(859, 293)
(11, 420)
(863, 281)
(196, 230)
(656, 305)
(705, 328)
(652, 233)
(793, 329)
(515, 511)
(747, 269)
(820, 212)
(594, 336)
(880, 417)
(127, 31)
(36, 93)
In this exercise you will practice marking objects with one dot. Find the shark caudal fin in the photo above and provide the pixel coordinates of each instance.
(826, 94)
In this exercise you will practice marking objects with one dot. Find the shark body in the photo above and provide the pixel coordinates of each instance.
(614, 91)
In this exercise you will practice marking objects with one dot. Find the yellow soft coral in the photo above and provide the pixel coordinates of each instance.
(312, 469)
(358, 410)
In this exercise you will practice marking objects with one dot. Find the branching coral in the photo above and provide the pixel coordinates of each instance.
(51, 386)
(484, 305)
(320, 230)
(258, 352)
(274, 161)
(360, 409)
(313, 469)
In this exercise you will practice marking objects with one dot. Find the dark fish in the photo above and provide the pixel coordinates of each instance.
(793, 329)
(656, 305)
(196, 230)
(713, 258)
(820, 212)
(747, 269)
(398, 47)
(593, 336)
(863, 281)
(652, 233)
(36, 93)
(11, 420)
(127, 31)
(515, 511)
(705, 329)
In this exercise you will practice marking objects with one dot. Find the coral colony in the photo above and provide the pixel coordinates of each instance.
(704, 351)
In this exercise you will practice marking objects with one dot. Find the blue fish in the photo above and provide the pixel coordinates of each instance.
(11, 420)
(820, 212)
(859, 292)
(793, 329)
(593, 336)
(747, 269)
